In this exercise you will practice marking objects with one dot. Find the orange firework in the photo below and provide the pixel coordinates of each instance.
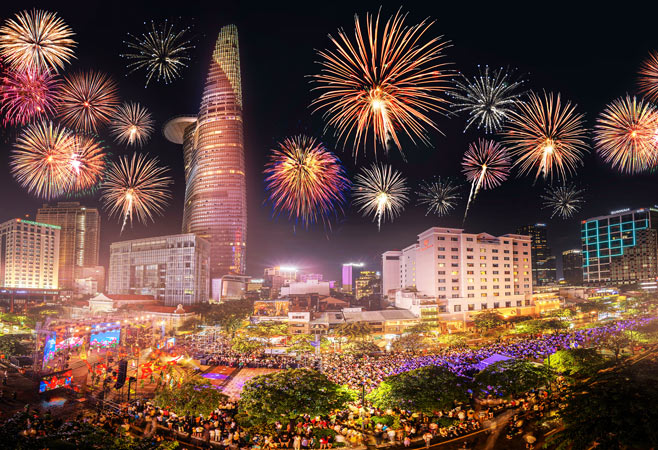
(385, 82)
(87, 100)
(87, 160)
(648, 80)
(546, 137)
(625, 135)
(40, 161)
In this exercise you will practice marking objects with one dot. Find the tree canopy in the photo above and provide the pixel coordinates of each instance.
(230, 315)
(410, 343)
(289, 394)
(195, 396)
(427, 389)
(575, 362)
(613, 409)
(11, 345)
(354, 331)
(487, 320)
(512, 377)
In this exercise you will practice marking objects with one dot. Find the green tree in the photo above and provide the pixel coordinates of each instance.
(576, 361)
(243, 344)
(418, 329)
(267, 330)
(427, 389)
(289, 394)
(11, 345)
(615, 343)
(361, 348)
(512, 377)
(230, 315)
(354, 331)
(195, 396)
(301, 344)
(562, 313)
(487, 320)
(553, 324)
(189, 325)
(613, 409)
(410, 343)
(452, 340)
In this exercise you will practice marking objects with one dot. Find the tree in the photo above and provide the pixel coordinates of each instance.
(427, 389)
(243, 344)
(575, 362)
(512, 377)
(529, 327)
(562, 313)
(553, 324)
(354, 331)
(195, 396)
(487, 320)
(289, 394)
(189, 324)
(268, 329)
(301, 343)
(613, 409)
(11, 345)
(410, 343)
(230, 315)
(418, 329)
(362, 348)
(615, 343)
(453, 340)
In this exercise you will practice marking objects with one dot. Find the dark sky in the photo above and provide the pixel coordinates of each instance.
(589, 54)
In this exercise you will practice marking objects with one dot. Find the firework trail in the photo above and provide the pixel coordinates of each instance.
(648, 79)
(564, 200)
(26, 95)
(440, 196)
(381, 191)
(131, 124)
(87, 100)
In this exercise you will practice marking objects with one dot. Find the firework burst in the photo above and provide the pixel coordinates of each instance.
(564, 200)
(26, 95)
(648, 79)
(36, 40)
(135, 187)
(486, 165)
(439, 196)
(385, 82)
(625, 135)
(87, 100)
(161, 51)
(87, 161)
(131, 124)
(546, 136)
(487, 98)
(40, 161)
(381, 191)
(306, 180)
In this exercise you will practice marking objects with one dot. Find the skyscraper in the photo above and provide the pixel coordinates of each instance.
(572, 267)
(348, 275)
(78, 240)
(620, 248)
(213, 153)
(543, 262)
(368, 283)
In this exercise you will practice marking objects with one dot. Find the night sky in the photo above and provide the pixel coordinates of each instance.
(589, 54)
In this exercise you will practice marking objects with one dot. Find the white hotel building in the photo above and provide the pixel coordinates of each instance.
(460, 272)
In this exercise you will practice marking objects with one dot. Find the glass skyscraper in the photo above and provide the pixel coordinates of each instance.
(620, 247)
(213, 153)
(543, 262)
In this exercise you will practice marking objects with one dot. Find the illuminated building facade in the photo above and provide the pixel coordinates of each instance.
(391, 273)
(213, 146)
(620, 248)
(572, 267)
(368, 283)
(174, 269)
(79, 238)
(348, 274)
(543, 262)
(29, 255)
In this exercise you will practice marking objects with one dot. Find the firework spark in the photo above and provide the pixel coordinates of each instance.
(40, 161)
(26, 95)
(440, 196)
(306, 180)
(36, 40)
(87, 161)
(381, 191)
(487, 98)
(625, 135)
(385, 82)
(161, 51)
(131, 124)
(546, 136)
(87, 100)
(136, 187)
(648, 80)
(486, 165)
(564, 200)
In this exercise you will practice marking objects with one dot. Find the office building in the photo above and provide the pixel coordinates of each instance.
(29, 255)
(350, 271)
(173, 269)
(620, 248)
(304, 277)
(368, 283)
(391, 274)
(468, 272)
(543, 262)
(213, 145)
(79, 238)
(278, 277)
(572, 267)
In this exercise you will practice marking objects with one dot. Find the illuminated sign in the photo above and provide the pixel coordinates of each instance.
(57, 227)
(620, 211)
(55, 381)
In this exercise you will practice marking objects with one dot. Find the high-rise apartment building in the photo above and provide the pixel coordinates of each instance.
(29, 255)
(348, 275)
(391, 273)
(572, 267)
(368, 283)
(469, 272)
(279, 276)
(620, 248)
(79, 237)
(213, 146)
(174, 269)
(543, 262)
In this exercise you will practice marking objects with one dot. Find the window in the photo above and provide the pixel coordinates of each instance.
(442, 272)
(483, 257)
(483, 306)
(442, 256)
(470, 295)
(483, 294)
(442, 265)
(470, 288)
(470, 265)
(469, 272)
(519, 303)
(483, 287)
(442, 249)
(442, 280)
(455, 295)
(496, 305)
(441, 238)
(442, 288)
(471, 306)
(455, 288)
(469, 249)
(469, 239)
(454, 249)
(483, 250)
(457, 308)
(483, 264)
(483, 280)
(454, 239)
(469, 256)
(454, 272)
(455, 280)
(508, 304)
(454, 265)
(454, 257)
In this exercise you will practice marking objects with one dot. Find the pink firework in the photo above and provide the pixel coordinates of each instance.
(26, 95)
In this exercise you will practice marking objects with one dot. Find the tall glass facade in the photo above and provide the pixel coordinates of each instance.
(620, 247)
(215, 192)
